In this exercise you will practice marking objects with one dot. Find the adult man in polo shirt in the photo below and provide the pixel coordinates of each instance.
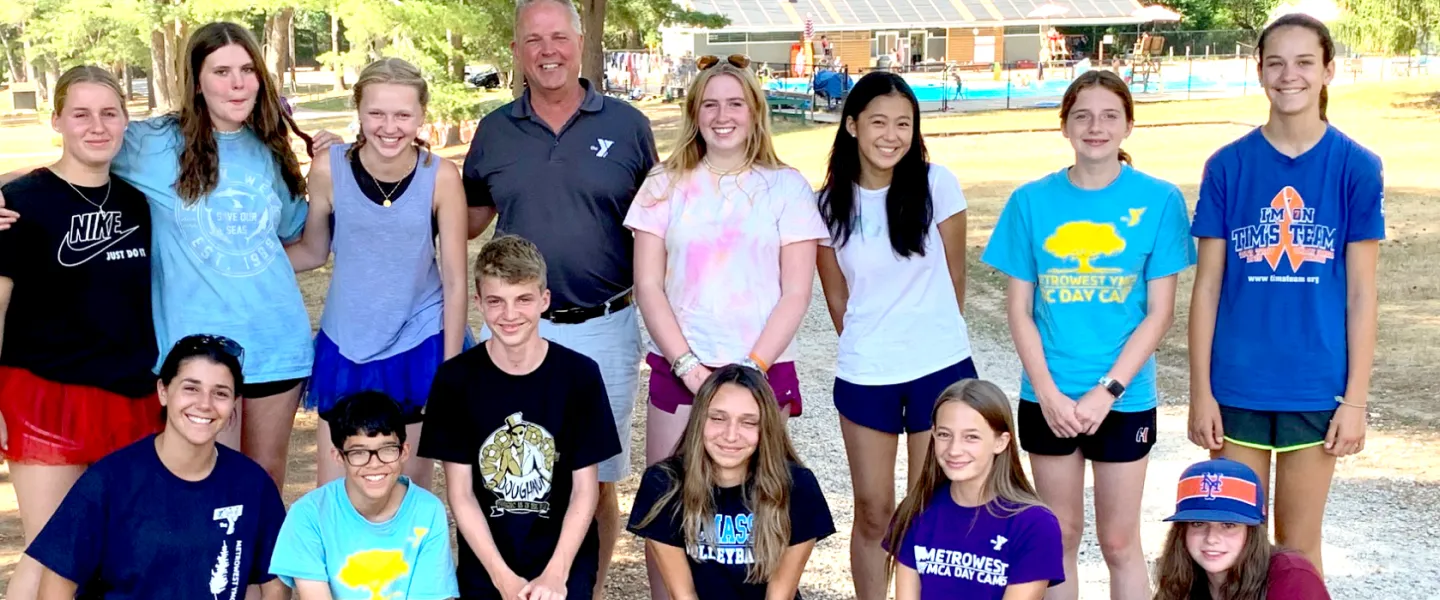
(561, 165)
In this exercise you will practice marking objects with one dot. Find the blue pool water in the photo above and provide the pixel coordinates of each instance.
(980, 89)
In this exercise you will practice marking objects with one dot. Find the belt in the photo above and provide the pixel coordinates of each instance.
(573, 316)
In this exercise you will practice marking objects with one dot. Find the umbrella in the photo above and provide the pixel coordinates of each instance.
(1155, 12)
(1046, 11)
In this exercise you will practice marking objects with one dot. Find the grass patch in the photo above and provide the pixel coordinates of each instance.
(337, 103)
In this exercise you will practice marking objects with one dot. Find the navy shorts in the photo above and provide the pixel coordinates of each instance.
(898, 407)
(1278, 431)
(1122, 437)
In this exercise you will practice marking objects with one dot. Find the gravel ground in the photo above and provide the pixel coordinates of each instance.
(1381, 529)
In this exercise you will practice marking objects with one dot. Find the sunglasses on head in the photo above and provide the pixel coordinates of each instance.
(219, 343)
(737, 60)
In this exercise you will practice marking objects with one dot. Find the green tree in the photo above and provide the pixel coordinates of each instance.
(1397, 26)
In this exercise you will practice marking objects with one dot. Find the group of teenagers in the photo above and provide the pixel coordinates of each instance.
(171, 246)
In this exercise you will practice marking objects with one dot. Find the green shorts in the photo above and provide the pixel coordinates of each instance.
(1278, 431)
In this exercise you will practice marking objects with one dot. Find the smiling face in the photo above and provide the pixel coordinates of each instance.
(91, 124)
(884, 131)
(390, 117)
(1096, 125)
(1215, 546)
(724, 118)
(547, 46)
(229, 83)
(965, 445)
(732, 430)
(512, 310)
(374, 478)
(199, 400)
(1293, 70)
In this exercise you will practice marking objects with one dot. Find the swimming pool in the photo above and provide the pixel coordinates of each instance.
(984, 89)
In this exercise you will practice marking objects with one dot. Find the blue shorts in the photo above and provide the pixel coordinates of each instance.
(898, 407)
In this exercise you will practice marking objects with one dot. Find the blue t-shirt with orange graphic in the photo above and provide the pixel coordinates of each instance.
(1090, 254)
(1280, 340)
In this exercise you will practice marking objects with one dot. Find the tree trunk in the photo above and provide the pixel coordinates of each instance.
(17, 71)
(277, 44)
(290, 52)
(175, 38)
(29, 62)
(457, 56)
(159, 79)
(339, 65)
(517, 82)
(52, 76)
(592, 18)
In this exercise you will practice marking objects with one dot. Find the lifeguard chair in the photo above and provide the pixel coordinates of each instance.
(1145, 59)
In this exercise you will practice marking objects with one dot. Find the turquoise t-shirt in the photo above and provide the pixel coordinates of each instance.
(218, 266)
(405, 558)
(1090, 254)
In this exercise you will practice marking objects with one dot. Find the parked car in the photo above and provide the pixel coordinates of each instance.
(482, 77)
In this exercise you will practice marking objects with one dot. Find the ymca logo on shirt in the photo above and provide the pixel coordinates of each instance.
(1086, 243)
(1285, 232)
(91, 234)
(960, 565)
(727, 542)
(233, 231)
(225, 575)
(516, 464)
(602, 149)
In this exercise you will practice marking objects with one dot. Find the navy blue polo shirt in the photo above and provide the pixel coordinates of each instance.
(567, 191)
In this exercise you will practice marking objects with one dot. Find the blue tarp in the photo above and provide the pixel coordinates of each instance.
(831, 84)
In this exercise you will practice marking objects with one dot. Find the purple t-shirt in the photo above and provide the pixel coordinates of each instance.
(967, 552)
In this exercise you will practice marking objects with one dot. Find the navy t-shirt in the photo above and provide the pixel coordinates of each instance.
(523, 436)
(1280, 331)
(721, 562)
(131, 529)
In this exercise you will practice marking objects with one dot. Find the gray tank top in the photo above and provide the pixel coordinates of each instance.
(385, 293)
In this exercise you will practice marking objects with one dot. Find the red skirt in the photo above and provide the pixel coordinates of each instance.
(56, 424)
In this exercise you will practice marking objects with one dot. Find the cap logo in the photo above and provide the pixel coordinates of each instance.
(1215, 486)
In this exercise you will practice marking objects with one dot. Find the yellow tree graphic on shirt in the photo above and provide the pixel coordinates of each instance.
(373, 571)
(1083, 242)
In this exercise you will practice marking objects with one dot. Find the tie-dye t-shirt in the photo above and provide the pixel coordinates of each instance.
(406, 557)
(723, 236)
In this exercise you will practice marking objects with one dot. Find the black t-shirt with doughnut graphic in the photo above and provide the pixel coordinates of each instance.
(79, 311)
(523, 437)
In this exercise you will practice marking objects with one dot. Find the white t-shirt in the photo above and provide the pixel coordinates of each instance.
(722, 250)
(902, 321)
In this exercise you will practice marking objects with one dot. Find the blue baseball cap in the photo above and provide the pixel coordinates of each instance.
(1219, 491)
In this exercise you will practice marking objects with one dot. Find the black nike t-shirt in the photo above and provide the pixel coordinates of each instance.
(79, 313)
(523, 437)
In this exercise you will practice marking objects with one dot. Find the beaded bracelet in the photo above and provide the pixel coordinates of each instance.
(685, 364)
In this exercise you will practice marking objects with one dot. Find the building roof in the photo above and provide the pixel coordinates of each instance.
(841, 15)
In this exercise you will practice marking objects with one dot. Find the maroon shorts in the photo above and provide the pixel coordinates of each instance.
(667, 392)
(53, 423)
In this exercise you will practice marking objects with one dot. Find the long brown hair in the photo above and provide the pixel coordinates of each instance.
(86, 74)
(767, 487)
(200, 160)
(393, 71)
(759, 148)
(1178, 577)
(1007, 486)
(1327, 47)
(1104, 80)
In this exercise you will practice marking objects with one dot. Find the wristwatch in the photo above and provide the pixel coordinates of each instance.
(1115, 388)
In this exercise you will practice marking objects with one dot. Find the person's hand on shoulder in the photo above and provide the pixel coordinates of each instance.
(7, 217)
(323, 140)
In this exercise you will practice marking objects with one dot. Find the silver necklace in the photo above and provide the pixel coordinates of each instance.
(101, 206)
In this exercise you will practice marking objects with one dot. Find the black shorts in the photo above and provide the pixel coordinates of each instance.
(1122, 437)
(269, 388)
(1278, 431)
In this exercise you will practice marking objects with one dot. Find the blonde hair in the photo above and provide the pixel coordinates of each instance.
(87, 74)
(511, 259)
(759, 148)
(767, 488)
(391, 71)
(1006, 483)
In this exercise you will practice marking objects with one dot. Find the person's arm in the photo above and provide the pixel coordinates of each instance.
(907, 583)
(797, 279)
(7, 285)
(833, 284)
(481, 204)
(1159, 316)
(1033, 590)
(675, 570)
(306, 589)
(313, 249)
(1362, 303)
(55, 587)
(786, 579)
(475, 530)
(276, 590)
(952, 233)
(7, 216)
(1059, 409)
(659, 317)
(1206, 429)
(451, 214)
(584, 494)
(478, 220)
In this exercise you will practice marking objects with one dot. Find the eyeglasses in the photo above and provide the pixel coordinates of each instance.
(737, 60)
(360, 457)
(207, 341)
